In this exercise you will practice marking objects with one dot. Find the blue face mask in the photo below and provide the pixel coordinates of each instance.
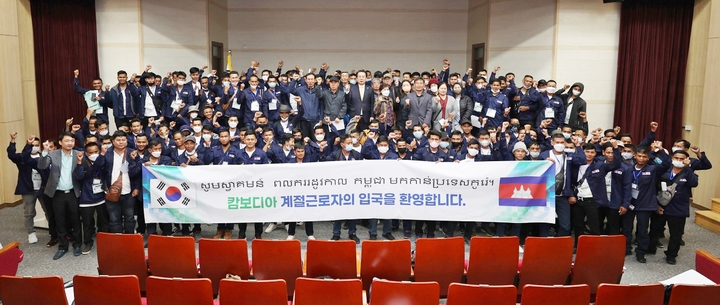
(375, 130)
(348, 147)
(566, 135)
(352, 81)
(444, 145)
(418, 134)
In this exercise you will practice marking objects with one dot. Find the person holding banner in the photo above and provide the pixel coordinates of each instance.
(155, 157)
(299, 157)
(380, 150)
(345, 153)
(250, 156)
(191, 157)
(224, 154)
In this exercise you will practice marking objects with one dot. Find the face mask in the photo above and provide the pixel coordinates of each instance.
(444, 145)
(353, 82)
(226, 83)
(284, 119)
(569, 150)
(93, 157)
(383, 149)
(495, 91)
(197, 128)
(234, 84)
(348, 147)
(205, 89)
(106, 146)
(550, 90)
(207, 137)
(354, 141)
(526, 87)
(233, 124)
(417, 134)
(397, 79)
(156, 154)
(479, 86)
(456, 144)
(385, 92)
(181, 82)
(576, 92)
(484, 143)
(402, 150)
(674, 149)
(542, 90)
(272, 85)
(193, 115)
(35, 149)
(375, 130)
(103, 132)
(433, 89)
(265, 78)
(457, 91)
(288, 148)
(263, 126)
(566, 135)
(253, 86)
(534, 154)
(678, 164)
(427, 81)
(559, 147)
(320, 137)
(473, 152)
(434, 144)
(241, 145)
(627, 155)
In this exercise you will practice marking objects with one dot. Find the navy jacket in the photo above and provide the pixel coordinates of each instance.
(104, 102)
(134, 169)
(338, 156)
(531, 99)
(574, 159)
(646, 181)
(258, 157)
(131, 108)
(184, 159)
(86, 173)
(24, 183)
(424, 154)
(595, 177)
(620, 192)
(679, 206)
(217, 156)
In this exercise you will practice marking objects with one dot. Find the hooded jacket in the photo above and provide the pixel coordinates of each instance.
(578, 105)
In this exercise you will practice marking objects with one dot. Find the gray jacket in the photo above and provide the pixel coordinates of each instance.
(335, 106)
(420, 109)
(466, 107)
(453, 107)
(53, 160)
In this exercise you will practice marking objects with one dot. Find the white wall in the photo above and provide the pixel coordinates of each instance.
(371, 34)
(477, 26)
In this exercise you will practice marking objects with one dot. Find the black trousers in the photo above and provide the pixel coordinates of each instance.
(140, 213)
(242, 227)
(291, 228)
(430, 228)
(88, 221)
(676, 226)
(643, 236)
(67, 212)
(613, 220)
(585, 211)
(47, 205)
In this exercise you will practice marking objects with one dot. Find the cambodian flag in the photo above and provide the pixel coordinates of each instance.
(523, 191)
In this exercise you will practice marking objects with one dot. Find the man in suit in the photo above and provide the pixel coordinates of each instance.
(63, 190)
(359, 98)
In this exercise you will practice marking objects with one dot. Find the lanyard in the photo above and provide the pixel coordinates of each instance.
(558, 160)
(672, 175)
(636, 174)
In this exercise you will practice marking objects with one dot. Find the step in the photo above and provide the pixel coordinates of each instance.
(709, 220)
(716, 205)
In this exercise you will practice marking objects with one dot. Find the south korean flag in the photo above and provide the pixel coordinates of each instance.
(172, 194)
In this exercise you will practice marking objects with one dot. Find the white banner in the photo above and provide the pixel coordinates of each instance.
(513, 192)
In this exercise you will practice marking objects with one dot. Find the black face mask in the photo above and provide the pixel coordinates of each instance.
(456, 144)
(298, 140)
(402, 150)
(263, 126)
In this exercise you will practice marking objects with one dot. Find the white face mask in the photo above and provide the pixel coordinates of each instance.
(397, 79)
(678, 164)
(576, 93)
(35, 150)
(479, 86)
(103, 132)
(265, 78)
(383, 149)
(207, 137)
(226, 83)
(495, 91)
(193, 115)
(674, 149)
(180, 82)
(320, 137)
(241, 145)
(232, 124)
(386, 92)
(484, 143)
(433, 89)
(156, 154)
(559, 147)
(473, 152)
(627, 155)
(569, 150)
(253, 87)
(197, 128)
(534, 154)
(93, 157)
(550, 90)
(354, 140)
(427, 81)
(542, 90)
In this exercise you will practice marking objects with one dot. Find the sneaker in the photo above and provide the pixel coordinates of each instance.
(290, 237)
(86, 249)
(310, 237)
(53, 241)
(59, 254)
(219, 234)
(372, 237)
(287, 227)
(271, 227)
(227, 234)
(345, 225)
(77, 251)
(32, 238)
(389, 236)
(354, 238)
(335, 237)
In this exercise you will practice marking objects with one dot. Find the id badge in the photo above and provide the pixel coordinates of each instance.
(97, 186)
(99, 111)
(272, 105)
(635, 191)
(549, 113)
(235, 104)
(254, 106)
(478, 107)
(491, 113)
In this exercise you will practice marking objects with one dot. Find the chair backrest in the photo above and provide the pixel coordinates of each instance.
(106, 289)
(465, 294)
(122, 254)
(328, 292)
(615, 294)
(277, 260)
(386, 259)
(404, 293)
(694, 295)
(503, 252)
(170, 256)
(219, 257)
(546, 261)
(556, 295)
(46, 290)
(10, 258)
(270, 292)
(440, 260)
(599, 259)
(333, 258)
(707, 265)
(173, 291)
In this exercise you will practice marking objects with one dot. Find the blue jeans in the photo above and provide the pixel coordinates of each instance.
(122, 215)
(337, 225)
(562, 208)
(387, 226)
(643, 224)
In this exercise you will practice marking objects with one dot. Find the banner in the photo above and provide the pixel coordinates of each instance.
(512, 192)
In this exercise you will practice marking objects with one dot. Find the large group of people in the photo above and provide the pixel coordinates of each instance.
(606, 183)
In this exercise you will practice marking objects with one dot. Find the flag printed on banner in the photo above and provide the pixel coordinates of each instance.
(171, 194)
(523, 192)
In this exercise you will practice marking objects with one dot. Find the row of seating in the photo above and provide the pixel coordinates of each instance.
(110, 290)
(492, 261)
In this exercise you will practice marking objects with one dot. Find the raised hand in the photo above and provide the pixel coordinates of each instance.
(76, 73)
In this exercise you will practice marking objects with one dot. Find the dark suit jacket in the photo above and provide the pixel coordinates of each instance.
(355, 104)
(53, 160)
